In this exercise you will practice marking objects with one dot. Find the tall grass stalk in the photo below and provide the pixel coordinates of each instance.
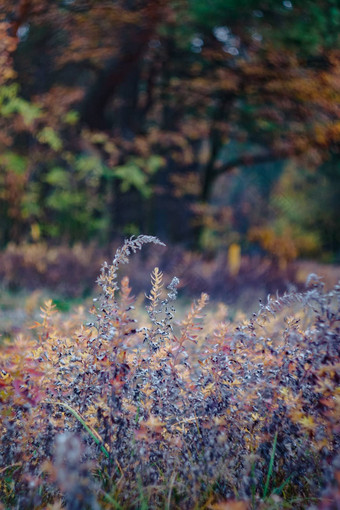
(93, 433)
(270, 469)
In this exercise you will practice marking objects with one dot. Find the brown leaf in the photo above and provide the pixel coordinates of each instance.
(230, 505)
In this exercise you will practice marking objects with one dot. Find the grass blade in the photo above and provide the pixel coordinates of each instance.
(279, 489)
(270, 469)
(95, 436)
(110, 499)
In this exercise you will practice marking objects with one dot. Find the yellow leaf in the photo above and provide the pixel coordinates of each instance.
(208, 389)
(154, 424)
(308, 423)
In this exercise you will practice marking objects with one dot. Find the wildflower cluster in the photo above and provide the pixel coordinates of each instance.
(120, 413)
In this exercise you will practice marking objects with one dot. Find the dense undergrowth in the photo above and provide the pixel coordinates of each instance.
(122, 413)
(72, 271)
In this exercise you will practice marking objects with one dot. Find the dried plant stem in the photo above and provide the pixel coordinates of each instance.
(172, 481)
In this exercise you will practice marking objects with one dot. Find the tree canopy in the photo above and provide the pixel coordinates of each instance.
(114, 112)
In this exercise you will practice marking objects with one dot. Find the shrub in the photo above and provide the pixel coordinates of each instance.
(120, 413)
(71, 271)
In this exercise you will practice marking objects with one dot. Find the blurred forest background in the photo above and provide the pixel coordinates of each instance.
(214, 125)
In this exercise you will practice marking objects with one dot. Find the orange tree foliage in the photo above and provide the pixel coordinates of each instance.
(129, 414)
(99, 99)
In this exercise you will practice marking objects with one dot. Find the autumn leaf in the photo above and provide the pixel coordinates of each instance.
(308, 423)
(154, 424)
(230, 505)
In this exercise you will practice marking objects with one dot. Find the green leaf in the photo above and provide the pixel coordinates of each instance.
(132, 176)
(29, 111)
(13, 162)
(71, 117)
(58, 176)
(65, 201)
(86, 164)
(8, 92)
(154, 163)
(11, 103)
(49, 136)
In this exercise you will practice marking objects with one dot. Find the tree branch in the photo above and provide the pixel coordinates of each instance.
(119, 68)
(21, 15)
(254, 159)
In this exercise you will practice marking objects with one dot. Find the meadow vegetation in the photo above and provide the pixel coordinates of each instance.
(214, 126)
(129, 412)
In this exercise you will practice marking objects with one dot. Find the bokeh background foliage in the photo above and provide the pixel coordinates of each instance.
(205, 123)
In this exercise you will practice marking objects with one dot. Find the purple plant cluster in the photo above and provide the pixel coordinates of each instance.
(130, 412)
